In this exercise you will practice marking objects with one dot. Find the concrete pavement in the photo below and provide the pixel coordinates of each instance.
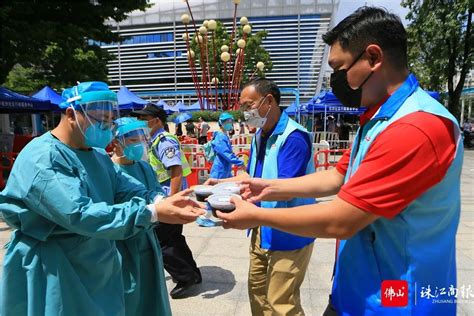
(223, 258)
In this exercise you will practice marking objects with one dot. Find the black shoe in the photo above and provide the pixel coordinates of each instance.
(181, 289)
(199, 277)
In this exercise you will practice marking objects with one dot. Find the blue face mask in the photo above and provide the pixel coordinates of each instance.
(227, 126)
(134, 151)
(97, 137)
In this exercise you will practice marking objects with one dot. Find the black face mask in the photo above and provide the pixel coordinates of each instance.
(343, 91)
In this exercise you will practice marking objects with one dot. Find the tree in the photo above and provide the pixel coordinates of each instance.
(254, 53)
(440, 42)
(55, 42)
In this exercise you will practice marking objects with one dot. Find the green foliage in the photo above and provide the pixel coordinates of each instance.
(440, 42)
(25, 80)
(208, 116)
(52, 42)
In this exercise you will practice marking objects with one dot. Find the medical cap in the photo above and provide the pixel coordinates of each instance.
(225, 116)
(87, 92)
(126, 125)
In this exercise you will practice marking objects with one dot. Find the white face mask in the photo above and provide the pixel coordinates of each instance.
(253, 118)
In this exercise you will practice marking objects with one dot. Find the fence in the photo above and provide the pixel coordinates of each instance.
(332, 139)
(324, 158)
(327, 158)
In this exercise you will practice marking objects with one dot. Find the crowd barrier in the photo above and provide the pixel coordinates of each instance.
(327, 158)
(324, 158)
(242, 139)
(332, 139)
(201, 168)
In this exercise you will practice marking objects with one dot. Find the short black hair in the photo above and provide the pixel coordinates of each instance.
(372, 25)
(265, 86)
(162, 115)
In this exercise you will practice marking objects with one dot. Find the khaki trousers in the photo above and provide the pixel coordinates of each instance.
(275, 278)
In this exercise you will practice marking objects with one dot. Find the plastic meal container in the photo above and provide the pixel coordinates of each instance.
(221, 202)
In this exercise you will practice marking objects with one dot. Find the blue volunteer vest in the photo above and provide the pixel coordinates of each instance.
(274, 239)
(417, 245)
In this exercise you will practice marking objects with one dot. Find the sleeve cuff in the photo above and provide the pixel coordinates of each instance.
(152, 207)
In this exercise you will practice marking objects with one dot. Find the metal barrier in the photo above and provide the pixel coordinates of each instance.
(325, 159)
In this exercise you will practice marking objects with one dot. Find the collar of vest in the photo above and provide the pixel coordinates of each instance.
(158, 132)
(396, 100)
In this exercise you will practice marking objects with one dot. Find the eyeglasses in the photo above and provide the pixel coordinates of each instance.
(250, 105)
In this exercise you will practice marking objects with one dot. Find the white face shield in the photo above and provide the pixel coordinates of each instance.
(133, 136)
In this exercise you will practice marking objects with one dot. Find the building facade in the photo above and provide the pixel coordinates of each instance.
(152, 55)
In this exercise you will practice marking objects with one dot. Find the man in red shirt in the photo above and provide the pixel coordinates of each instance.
(397, 200)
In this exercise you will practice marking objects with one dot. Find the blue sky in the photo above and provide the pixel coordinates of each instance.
(346, 7)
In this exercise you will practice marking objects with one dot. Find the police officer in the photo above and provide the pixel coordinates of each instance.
(171, 168)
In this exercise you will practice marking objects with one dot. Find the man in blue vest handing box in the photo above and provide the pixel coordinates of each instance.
(398, 188)
(280, 149)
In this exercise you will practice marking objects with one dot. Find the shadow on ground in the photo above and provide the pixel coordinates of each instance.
(216, 281)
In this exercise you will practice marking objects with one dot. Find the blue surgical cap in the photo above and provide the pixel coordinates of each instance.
(129, 126)
(224, 117)
(87, 92)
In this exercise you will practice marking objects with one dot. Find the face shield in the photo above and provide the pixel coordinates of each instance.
(99, 119)
(98, 107)
(133, 137)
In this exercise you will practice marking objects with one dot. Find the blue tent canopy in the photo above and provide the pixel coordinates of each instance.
(191, 108)
(327, 102)
(197, 107)
(127, 100)
(11, 101)
(49, 95)
(170, 109)
(162, 103)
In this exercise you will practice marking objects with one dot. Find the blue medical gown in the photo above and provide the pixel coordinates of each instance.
(68, 207)
(142, 261)
(225, 157)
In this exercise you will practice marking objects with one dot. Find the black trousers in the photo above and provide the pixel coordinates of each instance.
(177, 257)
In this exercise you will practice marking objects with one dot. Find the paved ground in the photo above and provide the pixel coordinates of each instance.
(223, 258)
